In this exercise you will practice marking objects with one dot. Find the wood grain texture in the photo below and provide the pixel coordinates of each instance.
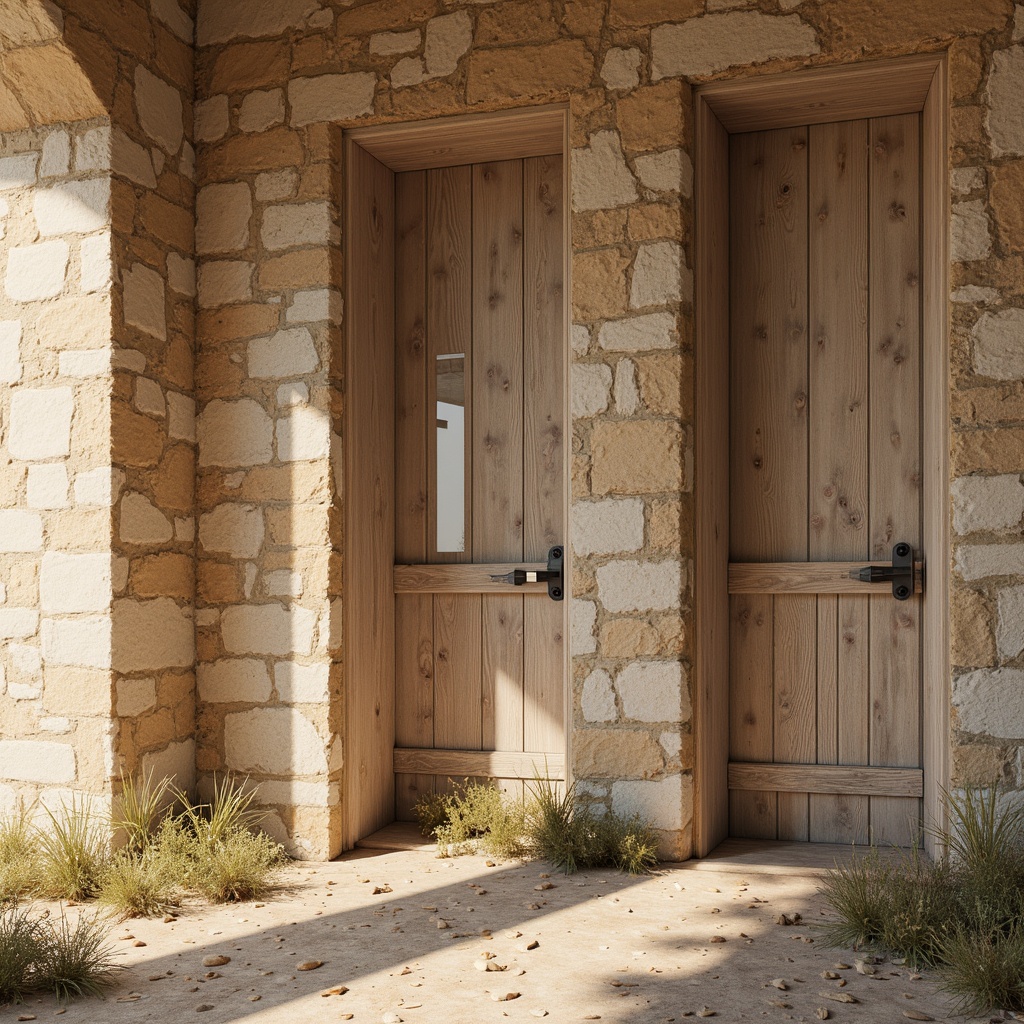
(809, 578)
(800, 779)
(544, 683)
(466, 138)
(369, 426)
(474, 578)
(823, 811)
(502, 672)
(493, 763)
(414, 691)
(458, 700)
(854, 720)
(817, 95)
(498, 361)
(711, 483)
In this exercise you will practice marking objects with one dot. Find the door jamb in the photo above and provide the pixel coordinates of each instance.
(917, 84)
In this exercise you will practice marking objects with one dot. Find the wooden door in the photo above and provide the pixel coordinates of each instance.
(825, 477)
(480, 687)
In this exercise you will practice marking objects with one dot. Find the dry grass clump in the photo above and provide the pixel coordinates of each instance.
(962, 914)
(19, 858)
(551, 824)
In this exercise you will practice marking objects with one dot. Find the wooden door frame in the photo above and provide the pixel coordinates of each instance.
(917, 84)
(368, 528)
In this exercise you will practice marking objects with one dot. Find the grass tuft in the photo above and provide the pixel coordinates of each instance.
(19, 857)
(75, 959)
(74, 851)
(139, 809)
(142, 885)
(20, 945)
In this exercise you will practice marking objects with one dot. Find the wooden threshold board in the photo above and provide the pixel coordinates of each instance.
(856, 780)
(771, 857)
(496, 764)
(399, 835)
(465, 578)
(807, 578)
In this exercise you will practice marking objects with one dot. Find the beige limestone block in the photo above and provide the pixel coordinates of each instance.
(40, 423)
(969, 232)
(130, 160)
(37, 271)
(408, 71)
(18, 171)
(225, 20)
(301, 684)
(47, 485)
(135, 696)
(232, 529)
(315, 304)
(261, 109)
(181, 417)
(990, 702)
(1005, 111)
(145, 301)
(620, 70)
(661, 802)
(285, 227)
(659, 276)
(20, 531)
(303, 434)
(275, 185)
(10, 351)
(331, 97)
(295, 792)
(75, 207)
(142, 522)
(283, 583)
(224, 281)
(612, 753)
(98, 486)
(231, 680)
(628, 585)
(234, 434)
(583, 616)
(287, 353)
(627, 397)
(639, 333)
(56, 155)
(5, 210)
(600, 177)
(668, 171)
(273, 629)
(636, 457)
(223, 212)
(149, 635)
(159, 106)
(275, 741)
(81, 641)
(715, 42)
(74, 583)
(212, 118)
(982, 503)
(18, 624)
(999, 344)
(598, 698)
(387, 43)
(591, 389)
(181, 274)
(980, 561)
(92, 150)
(448, 37)
(580, 339)
(40, 761)
(607, 526)
(95, 263)
(1010, 624)
(653, 691)
(1007, 208)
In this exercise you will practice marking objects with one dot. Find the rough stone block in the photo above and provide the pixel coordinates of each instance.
(386, 43)
(232, 529)
(581, 637)
(629, 585)
(659, 276)
(448, 37)
(285, 227)
(223, 212)
(636, 457)
(261, 110)
(607, 527)
(75, 583)
(47, 485)
(598, 699)
(978, 561)
(987, 503)
(1007, 188)
(10, 351)
(231, 680)
(1005, 111)
(612, 753)
(600, 177)
(639, 333)
(40, 423)
(37, 271)
(1010, 625)
(303, 434)
(627, 397)
(287, 353)
(142, 522)
(550, 69)
(234, 434)
(76, 207)
(37, 761)
(301, 684)
(94, 273)
(670, 171)
(999, 344)
(620, 70)
(273, 629)
(990, 702)
(56, 157)
(135, 697)
(211, 118)
(145, 301)
(150, 635)
(181, 274)
(250, 19)
(331, 97)
(18, 171)
(17, 624)
(653, 691)
(83, 641)
(283, 583)
(591, 388)
(160, 109)
(314, 305)
(659, 801)
(273, 741)
(969, 232)
(224, 281)
(97, 487)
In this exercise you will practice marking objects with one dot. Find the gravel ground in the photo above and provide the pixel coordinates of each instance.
(379, 938)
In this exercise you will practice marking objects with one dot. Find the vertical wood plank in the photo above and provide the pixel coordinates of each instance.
(854, 707)
(543, 354)
(502, 672)
(449, 322)
(414, 662)
(497, 373)
(795, 701)
(895, 465)
(545, 685)
(457, 653)
(369, 426)
(822, 809)
(838, 464)
(752, 815)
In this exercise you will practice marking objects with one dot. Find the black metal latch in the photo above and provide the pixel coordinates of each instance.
(901, 572)
(552, 575)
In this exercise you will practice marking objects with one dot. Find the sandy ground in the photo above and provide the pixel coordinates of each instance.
(400, 936)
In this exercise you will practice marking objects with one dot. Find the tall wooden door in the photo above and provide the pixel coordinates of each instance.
(825, 478)
(480, 686)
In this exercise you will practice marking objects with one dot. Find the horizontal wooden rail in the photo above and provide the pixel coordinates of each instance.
(464, 578)
(496, 764)
(857, 780)
(808, 578)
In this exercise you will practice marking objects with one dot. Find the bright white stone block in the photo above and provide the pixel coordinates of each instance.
(232, 529)
(76, 207)
(48, 485)
(40, 423)
(275, 741)
(598, 701)
(268, 629)
(288, 353)
(83, 641)
(653, 691)
(37, 271)
(607, 526)
(628, 586)
(37, 761)
(75, 583)
(10, 351)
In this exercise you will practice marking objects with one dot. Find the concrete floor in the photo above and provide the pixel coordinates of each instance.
(403, 932)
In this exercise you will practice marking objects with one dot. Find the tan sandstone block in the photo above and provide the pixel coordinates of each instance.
(1005, 195)
(281, 483)
(163, 575)
(233, 323)
(248, 154)
(992, 451)
(70, 691)
(636, 457)
(660, 382)
(599, 284)
(972, 642)
(593, 228)
(980, 764)
(246, 66)
(298, 526)
(877, 24)
(546, 70)
(136, 440)
(175, 479)
(167, 222)
(989, 406)
(302, 269)
(652, 12)
(664, 524)
(655, 220)
(384, 15)
(652, 117)
(659, 637)
(522, 21)
(219, 583)
(154, 730)
(614, 753)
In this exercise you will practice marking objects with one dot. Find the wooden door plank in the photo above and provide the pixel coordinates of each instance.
(794, 690)
(457, 653)
(768, 401)
(544, 697)
(854, 706)
(414, 692)
(895, 466)
(822, 809)
(497, 373)
(502, 672)
(449, 321)
(502, 764)
(809, 577)
(826, 778)
(369, 485)
(752, 815)
(543, 355)
(465, 579)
